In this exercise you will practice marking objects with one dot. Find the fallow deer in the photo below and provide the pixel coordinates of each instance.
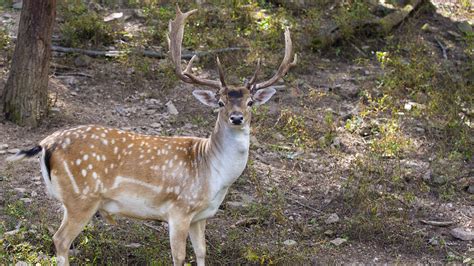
(180, 180)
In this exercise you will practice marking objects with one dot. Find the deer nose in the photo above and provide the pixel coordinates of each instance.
(236, 118)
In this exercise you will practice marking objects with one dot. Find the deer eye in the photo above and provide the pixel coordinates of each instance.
(221, 103)
(250, 103)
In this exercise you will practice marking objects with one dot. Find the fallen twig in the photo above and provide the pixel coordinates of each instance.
(438, 223)
(156, 228)
(304, 205)
(73, 74)
(246, 221)
(443, 48)
(148, 53)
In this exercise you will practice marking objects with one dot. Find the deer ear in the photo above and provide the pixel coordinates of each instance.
(263, 95)
(206, 97)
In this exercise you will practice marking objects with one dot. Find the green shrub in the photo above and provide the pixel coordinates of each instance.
(82, 27)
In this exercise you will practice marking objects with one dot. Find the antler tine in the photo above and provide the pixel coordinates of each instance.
(175, 39)
(252, 80)
(221, 72)
(285, 65)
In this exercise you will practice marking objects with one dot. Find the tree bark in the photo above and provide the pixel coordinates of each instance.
(26, 91)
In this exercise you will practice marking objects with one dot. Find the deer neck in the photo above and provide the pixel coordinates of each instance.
(227, 153)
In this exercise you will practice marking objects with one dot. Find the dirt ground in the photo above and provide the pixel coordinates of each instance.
(278, 210)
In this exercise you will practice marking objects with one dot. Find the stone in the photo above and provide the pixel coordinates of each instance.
(34, 193)
(82, 61)
(236, 204)
(328, 233)
(427, 176)
(289, 242)
(439, 179)
(465, 27)
(133, 245)
(21, 263)
(171, 108)
(3, 146)
(462, 233)
(26, 200)
(470, 189)
(155, 125)
(333, 218)
(113, 16)
(138, 13)
(278, 136)
(12, 232)
(338, 241)
(20, 190)
(3, 152)
(254, 141)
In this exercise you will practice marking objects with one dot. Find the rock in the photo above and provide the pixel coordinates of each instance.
(138, 13)
(439, 179)
(155, 125)
(427, 176)
(289, 242)
(336, 142)
(333, 218)
(236, 204)
(3, 146)
(150, 111)
(254, 141)
(463, 233)
(433, 241)
(74, 252)
(20, 190)
(113, 16)
(21, 263)
(13, 151)
(133, 245)
(338, 241)
(12, 232)
(171, 108)
(3, 152)
(34, 193)
(465, 27)
(26, 200)
(470, 189)
(278, 136)
(329, 233)
(54, 110)
(82, 61)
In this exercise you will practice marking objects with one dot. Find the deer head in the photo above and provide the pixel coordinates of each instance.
(234, 102)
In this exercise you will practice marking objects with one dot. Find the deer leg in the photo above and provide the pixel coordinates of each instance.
(179, 228)
(74, 220)
(198, 239)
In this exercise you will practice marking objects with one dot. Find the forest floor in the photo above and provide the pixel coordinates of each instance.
(364, 144)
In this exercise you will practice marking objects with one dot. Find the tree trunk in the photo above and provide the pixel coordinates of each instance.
(26, 91)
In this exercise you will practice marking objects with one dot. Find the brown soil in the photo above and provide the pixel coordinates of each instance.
(291, 192)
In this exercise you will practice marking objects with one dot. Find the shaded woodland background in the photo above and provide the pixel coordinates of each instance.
(364, 155)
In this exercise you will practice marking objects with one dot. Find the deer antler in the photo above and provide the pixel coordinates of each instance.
(285, 65)
(175, 39)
